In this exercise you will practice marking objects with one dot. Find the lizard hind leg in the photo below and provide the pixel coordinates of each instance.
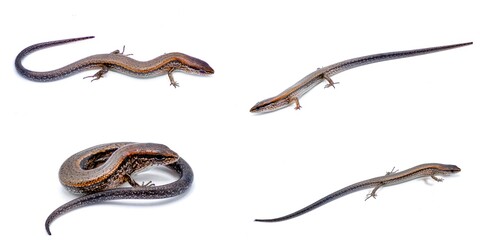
(392, 171)
(373, 193)
(122, 52)
(99, 74)
(330, 83)
(172, 80)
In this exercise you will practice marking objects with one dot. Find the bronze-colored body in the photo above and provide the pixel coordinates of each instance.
(109, 165)
(293, 93)
(391, 178)
(99, 170)
(116, 61)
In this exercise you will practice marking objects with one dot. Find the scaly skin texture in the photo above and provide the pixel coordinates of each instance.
(116, 61)
(391, 178)
(109, 165)
(100, 169)
(293, 93)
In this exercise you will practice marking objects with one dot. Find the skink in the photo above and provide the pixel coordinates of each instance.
(99, 170)
(115, 61)
(391, 178)
(293, 93)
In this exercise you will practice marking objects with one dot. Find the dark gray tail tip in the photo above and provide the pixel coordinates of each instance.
(47, 227)
(261, 220)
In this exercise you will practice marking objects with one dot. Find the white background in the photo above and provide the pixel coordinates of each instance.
(399, 113)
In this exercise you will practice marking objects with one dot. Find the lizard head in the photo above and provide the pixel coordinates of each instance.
(194, 65)
(448, 169)
(270, 105)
